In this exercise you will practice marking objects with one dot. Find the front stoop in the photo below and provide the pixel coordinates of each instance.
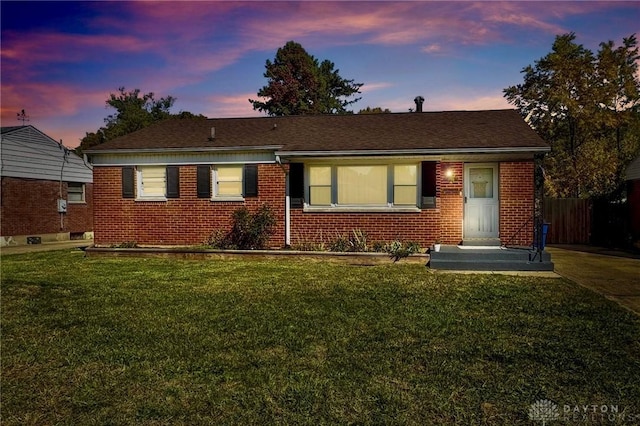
(494, 259)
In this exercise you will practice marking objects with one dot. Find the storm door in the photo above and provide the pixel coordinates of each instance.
(481, 207)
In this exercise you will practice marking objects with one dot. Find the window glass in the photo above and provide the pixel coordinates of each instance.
(481, 182)
(405, 174)
(152, 181)
(405, 178)
(404, 195)
(320, 175)
(320, 185)
(228, 181)
(362, 185)
(75, 192)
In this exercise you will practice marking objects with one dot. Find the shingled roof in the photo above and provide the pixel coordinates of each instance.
(449, 130)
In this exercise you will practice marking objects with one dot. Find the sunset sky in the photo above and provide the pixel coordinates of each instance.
(61, 60)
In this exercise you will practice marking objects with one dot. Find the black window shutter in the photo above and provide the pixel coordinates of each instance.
(204, 182)
(250, 180)
(296, 180)
(429, 185)
(296, 184)
(128, 182)
(173, 182)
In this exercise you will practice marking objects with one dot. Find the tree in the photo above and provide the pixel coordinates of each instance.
(133, 112)
(376, 110)
(619, 93)
(299, 85)
(586, 107)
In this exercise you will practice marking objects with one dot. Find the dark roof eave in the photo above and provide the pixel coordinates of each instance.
(188, 149)
(428, 151)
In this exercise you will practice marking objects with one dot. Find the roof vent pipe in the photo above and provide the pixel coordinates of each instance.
(419, 100)
(213, 133)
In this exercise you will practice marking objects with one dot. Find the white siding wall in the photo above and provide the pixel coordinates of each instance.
(28, 153)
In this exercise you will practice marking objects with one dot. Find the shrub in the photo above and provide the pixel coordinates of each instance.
(398, 250)
(340, 244)
(305, 242)
(249, 231)
(358, 241)
(218, 239)
(379, 247)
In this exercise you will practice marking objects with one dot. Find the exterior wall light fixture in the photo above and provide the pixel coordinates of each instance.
(450, 175)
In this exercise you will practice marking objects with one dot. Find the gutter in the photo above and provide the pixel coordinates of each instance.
(428, 151)
(191, 149)
(316, 153)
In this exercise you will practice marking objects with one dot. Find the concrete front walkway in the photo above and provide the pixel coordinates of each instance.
(617, 277)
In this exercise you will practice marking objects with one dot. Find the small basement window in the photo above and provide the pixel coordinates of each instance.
(76, 192)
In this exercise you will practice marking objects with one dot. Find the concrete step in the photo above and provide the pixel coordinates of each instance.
(475, 242)
(490, 259)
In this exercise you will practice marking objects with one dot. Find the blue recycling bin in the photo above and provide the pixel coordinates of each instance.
(541, 235)
(545, 230)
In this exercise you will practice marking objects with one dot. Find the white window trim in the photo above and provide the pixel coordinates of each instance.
(140, 193)
(390, 207)
(359, 209)
(84, 194)
(214, 184)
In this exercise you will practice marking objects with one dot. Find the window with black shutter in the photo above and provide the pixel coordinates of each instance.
(128, 182)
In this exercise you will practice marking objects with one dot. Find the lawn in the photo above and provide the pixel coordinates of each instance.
(156, 341)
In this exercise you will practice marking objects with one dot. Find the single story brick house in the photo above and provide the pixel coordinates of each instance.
(453, 176)
(47, 190)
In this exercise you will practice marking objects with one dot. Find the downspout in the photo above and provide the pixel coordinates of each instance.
(287, 204)
(65, 153)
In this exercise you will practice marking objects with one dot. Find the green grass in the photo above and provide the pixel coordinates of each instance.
(156, 341)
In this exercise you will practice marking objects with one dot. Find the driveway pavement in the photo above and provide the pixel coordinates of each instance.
(615, 275)
(58, 245)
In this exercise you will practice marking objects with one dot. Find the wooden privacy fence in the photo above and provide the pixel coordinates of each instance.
(570, 220)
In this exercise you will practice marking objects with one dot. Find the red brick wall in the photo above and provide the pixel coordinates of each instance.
(186, 220)
(451, 198)
(30, 207)
(190, 220)
(516, 202)
(420, 227)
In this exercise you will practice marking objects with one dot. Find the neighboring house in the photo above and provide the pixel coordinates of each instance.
(46, 189)
(633, 198)
(455, 176)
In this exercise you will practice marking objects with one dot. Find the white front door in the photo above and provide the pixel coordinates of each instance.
(481, 208)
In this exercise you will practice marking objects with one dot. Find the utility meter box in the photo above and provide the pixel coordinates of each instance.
(62, 205)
